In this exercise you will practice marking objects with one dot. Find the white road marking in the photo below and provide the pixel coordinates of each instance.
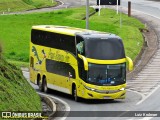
(144, 98)
(146, 118)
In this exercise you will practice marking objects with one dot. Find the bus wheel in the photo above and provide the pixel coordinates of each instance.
(76, 98)
(40, 84)
(44, 85)
(40, 87)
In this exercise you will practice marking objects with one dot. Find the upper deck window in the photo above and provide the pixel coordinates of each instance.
(54, 40)
(104, 49)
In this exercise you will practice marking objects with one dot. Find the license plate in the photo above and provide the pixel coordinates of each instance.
(106, 98)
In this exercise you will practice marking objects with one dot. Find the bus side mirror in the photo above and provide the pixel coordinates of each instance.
(70, 75)
(85, 61)
(130, 65)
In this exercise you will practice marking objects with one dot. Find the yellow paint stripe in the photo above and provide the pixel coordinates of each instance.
(56, 31)
(118, 61)
(85, 61)
(59, 29)
(62, 29)
(130, 63)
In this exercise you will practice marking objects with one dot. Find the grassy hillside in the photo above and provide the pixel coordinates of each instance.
(20, 5)
(16, 94)
(15, 34)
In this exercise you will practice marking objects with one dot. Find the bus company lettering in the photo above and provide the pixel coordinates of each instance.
(39, 60)
(58, 57)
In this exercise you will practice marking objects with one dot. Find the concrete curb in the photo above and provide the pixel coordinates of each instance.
(50, 103)
(25, 69)
(57, 102)
(148, 50)
(143, 57)
(138, 57)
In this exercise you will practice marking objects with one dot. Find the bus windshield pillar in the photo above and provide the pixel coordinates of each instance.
(85, 61)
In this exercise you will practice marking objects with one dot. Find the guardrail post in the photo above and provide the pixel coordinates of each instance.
(129, 8)
(87, 14)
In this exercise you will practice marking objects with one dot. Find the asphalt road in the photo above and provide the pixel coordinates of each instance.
(134, 101)
(95, 105)
(151, 7)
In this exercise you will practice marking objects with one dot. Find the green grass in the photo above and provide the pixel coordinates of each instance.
(15, 29)
(21, 5)
(19, 64)
(16, 94)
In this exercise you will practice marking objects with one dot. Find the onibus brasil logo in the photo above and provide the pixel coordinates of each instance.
(30, 115)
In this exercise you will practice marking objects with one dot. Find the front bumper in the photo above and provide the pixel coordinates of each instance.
(89, 94)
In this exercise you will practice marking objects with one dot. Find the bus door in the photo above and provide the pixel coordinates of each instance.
(69, 80)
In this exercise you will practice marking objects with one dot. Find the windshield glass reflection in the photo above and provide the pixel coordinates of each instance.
(107, 74)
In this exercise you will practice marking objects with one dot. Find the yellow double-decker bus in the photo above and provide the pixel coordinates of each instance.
(83, 63)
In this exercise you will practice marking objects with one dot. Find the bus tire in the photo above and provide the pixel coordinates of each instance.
(39, 83)
(44, 85)
(76, 98)
(38, 79)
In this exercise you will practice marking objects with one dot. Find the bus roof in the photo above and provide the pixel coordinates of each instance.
(64, 29)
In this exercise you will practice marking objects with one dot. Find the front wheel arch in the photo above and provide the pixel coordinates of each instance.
(38, 78)
(74, 93)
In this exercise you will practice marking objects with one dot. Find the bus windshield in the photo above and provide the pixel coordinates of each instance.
(104, 49)
(107, 74)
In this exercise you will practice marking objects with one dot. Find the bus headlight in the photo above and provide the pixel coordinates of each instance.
(92, 89)
(104, 91)
(122, 89)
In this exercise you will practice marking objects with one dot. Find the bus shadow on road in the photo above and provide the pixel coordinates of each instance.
(84, 101)
(100, 101)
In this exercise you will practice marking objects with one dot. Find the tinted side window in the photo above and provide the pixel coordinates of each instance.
(45, 38)
(54, 40)
(68, 43)
(80, 47)
(59, 68)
